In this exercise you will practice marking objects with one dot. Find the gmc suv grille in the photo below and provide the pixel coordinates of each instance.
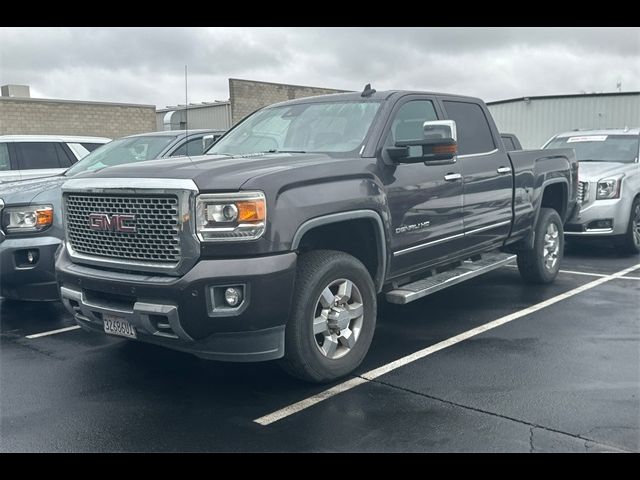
(156, 238)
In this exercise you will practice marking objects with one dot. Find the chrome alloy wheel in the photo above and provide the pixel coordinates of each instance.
(551, 246)
(338, 318)
(635, 225)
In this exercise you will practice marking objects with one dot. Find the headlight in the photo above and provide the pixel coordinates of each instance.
(608, 188)
(28, 218)
(230, 216)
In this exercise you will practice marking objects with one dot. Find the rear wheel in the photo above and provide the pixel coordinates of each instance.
(333, 317)
(630, 241)
(542, 263)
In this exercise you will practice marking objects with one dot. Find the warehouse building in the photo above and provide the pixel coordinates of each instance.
(20, 114)
(536, 119)
(245, 96)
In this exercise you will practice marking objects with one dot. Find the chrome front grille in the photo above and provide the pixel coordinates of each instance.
(156, 239)
(583, 192)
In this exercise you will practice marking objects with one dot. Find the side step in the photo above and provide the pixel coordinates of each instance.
(421, 288)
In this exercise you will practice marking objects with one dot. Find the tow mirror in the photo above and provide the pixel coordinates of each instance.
(439, 145)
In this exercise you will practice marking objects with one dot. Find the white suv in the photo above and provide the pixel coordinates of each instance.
(30, 156)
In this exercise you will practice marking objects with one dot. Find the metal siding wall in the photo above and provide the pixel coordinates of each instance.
(214, 117)
(534, 123)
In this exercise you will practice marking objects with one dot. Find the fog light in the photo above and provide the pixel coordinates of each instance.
(233, 296)
(31, 257)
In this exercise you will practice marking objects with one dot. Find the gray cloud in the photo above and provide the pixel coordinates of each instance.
(146, 65)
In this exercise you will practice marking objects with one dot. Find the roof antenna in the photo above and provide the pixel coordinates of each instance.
(368, 91)
(186, 110)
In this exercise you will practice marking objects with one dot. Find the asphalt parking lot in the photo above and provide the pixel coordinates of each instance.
(558, 372)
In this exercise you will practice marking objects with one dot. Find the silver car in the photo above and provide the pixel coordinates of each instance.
(609, 185)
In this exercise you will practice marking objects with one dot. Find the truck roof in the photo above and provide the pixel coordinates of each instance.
(352, 96)
(605, 131)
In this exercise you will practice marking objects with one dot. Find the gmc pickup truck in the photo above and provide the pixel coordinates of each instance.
(278, 244)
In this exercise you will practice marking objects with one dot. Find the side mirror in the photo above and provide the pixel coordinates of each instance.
(439, 145)
(207, 141)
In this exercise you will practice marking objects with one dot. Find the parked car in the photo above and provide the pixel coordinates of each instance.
(30, 215)
(511, 142)
(277, 246)
(30, 156)
(609, 185)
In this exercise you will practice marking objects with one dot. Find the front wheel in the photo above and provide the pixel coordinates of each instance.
(333, 317)
(541, 264)
(630, 241)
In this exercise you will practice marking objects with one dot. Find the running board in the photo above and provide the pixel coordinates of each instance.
(469, 269)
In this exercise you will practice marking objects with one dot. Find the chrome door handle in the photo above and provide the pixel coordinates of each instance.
(452, 177)
(504, 170)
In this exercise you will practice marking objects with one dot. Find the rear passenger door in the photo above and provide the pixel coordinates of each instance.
(487, 176)
(8, 167)
(41, 159)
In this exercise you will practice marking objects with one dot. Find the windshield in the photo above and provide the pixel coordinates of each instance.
(338, 127)
(600, 148)
(123, 150)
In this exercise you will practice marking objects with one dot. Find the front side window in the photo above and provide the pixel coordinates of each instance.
(5, 164)
(191, 148)
(337, 127)
(408, 124)
(121, 151)
(474, 133)
(37, 155)
(600, 148)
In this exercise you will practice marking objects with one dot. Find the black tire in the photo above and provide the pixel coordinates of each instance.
(629, 243)
(304, 358)
(532, 263)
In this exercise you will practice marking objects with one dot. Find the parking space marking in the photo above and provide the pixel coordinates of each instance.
(377, 372)
(586, 274)
(52, 332)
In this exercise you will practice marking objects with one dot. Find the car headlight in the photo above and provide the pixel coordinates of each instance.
(230, 216)
(27, 218)
(608, 188)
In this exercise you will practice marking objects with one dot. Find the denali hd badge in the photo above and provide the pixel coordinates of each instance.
(104, 222)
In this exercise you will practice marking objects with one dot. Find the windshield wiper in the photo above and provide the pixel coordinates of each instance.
(284, 151)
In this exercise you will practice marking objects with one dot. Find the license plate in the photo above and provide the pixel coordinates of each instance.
(115, 325)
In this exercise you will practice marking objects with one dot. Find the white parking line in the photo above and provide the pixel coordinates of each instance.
(52, 332)
(377, 372)
(586, 274)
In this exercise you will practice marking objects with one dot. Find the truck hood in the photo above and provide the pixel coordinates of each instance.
(211, 172)
(594, 171)
(26, 191)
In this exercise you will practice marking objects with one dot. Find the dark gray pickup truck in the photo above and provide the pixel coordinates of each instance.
(277, 244)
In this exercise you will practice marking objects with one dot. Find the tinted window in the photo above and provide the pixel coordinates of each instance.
(408, 124)
(91, 146)
(600, 148)
(508, 143)
(36, 155)
(190, 148)
(4, 157)
(474, 134)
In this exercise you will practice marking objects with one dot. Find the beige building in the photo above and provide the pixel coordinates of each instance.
(20, 114)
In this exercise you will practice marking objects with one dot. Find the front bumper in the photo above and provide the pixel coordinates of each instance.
(22, 281)
(179, 313)
(583, 222)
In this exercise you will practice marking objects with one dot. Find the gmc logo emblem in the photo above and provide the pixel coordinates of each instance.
(104, 222)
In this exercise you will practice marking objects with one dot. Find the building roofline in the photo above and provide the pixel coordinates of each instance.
(171, 108)
(571, 95)
(291, 85)
(88, 102)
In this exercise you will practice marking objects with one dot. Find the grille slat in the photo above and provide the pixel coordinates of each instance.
(582, 191)
(157, 236)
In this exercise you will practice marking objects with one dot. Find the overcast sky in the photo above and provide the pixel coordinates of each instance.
(146, 65)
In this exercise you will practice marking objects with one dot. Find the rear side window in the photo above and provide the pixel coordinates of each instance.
(474, 133)
(508, 144)
(37, 155)
(91, 146)
(4, 157)
(190, 148)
